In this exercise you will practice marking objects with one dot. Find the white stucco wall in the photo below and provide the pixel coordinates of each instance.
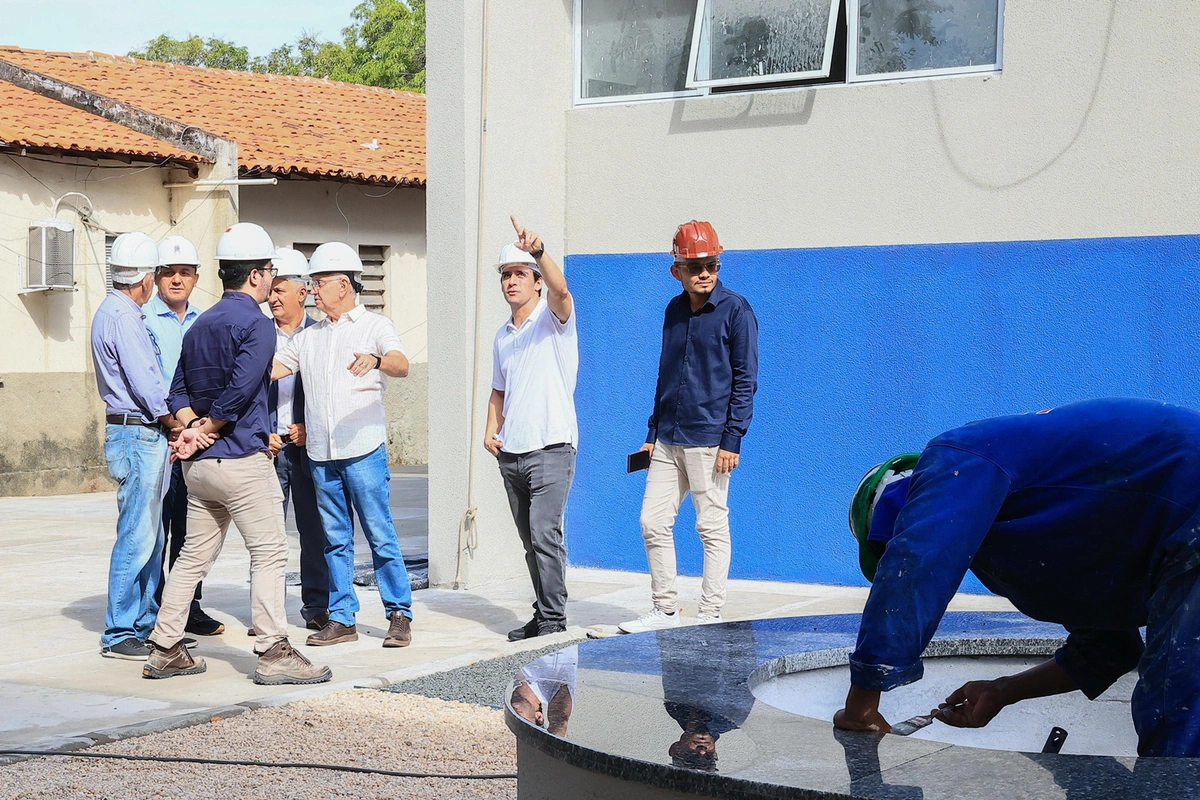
(1089, 131)
(312, 211)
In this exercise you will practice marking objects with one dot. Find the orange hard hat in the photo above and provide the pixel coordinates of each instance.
(696, 239)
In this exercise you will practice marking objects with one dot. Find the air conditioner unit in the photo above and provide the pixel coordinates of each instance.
(50, 262)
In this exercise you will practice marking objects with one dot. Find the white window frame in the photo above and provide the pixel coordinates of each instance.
(580, 100)
(760, 80)
(852, 75)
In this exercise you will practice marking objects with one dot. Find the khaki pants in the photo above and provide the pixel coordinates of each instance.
(244, 491)
(674, 472)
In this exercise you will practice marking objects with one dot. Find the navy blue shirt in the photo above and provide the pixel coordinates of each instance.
(223, 373)
(707, 373)
(1074, 514)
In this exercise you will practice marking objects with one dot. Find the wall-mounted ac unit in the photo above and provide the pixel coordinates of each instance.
(50, 262)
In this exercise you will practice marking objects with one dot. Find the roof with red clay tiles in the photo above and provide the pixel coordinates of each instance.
(30, 120)
(282, 124)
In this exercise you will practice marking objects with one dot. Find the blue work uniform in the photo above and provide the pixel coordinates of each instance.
(1083, 515)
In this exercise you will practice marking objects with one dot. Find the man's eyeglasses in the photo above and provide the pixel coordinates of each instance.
(271, 269)
(693, 268)
(318, 283)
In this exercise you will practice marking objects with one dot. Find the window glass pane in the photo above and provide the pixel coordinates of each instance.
(635, 46)
(756, 38)
(904, 35)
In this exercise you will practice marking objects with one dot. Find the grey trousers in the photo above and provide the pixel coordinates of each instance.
(538, 484)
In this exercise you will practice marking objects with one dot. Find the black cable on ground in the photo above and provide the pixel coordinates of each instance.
(277, 765)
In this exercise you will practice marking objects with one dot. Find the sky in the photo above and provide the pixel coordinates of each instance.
(118, 26)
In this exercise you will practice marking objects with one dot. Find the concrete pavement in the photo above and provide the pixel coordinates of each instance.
(54, 686)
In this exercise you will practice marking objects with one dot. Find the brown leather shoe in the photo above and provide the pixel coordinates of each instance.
(399, 632)
(332, 633)
(171, 661)
(282, 664)
(318, 622)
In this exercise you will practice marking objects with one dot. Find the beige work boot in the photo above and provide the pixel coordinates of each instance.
(171, 661)
(281, 664)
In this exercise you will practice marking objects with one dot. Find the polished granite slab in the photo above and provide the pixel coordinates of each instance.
(674, 709)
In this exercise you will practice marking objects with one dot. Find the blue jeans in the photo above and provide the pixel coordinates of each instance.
(137, 458)
(364, 480)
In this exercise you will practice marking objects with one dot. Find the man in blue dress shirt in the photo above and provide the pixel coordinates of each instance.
(1087, 515)
(169, 315)
(220, 389)
(131, 384)
(707, 376)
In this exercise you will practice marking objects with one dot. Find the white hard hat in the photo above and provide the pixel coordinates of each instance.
(290, 263)
(245, 241)
(174, 250)
(511, 254)
(134, 254)
(335, 257)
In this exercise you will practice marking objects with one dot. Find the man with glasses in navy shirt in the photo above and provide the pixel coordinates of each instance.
(707, 376)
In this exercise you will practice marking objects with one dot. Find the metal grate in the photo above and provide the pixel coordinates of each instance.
(51, 255)
(373, 256)
(109, 238)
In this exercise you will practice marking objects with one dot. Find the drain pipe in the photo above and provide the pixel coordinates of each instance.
(468, 533)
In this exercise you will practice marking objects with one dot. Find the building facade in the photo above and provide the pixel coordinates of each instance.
(988, 210)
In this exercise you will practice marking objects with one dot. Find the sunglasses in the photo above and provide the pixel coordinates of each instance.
(695, 269)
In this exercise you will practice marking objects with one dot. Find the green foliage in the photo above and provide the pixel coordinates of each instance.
(383, 46)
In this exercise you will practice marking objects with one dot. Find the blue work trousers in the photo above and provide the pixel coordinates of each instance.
(137, 458)
(364, 481)
(295, 479)
(1166, 700)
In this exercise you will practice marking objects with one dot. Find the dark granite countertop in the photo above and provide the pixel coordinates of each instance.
(635, 696)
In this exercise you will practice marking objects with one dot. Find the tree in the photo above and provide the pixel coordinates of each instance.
(384, 45)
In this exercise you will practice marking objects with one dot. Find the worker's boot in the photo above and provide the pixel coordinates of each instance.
(171, 661)
(399, 631)
(281, 664)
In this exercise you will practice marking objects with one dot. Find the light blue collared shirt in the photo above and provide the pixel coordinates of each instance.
(128, 374)
(167, 332)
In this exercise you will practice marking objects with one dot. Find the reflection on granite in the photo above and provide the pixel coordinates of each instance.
(673, 709)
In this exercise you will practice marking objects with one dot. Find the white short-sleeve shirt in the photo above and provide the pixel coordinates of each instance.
(536, 367)
(343, 414)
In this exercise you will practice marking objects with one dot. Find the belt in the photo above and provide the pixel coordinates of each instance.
(129, 419)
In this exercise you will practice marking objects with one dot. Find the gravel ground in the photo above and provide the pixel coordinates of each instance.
(366, 728)
(482, 683)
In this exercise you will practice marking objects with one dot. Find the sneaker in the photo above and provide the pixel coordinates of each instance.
(202, 624)
(171, 661)
(656, 620)
(708, 619)
(281, 664)
(399, 632)
(526, 631)
(548, 628)
(332, 633)
(128, 649)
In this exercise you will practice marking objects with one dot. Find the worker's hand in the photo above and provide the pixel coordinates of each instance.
(362, 364)
(973, 705)
(648, 447)
(189, 442)
(726, 462)
(493, 445)
(297, 435)
(861, 712)
(173, 433)
(274, 443)
(527, 240)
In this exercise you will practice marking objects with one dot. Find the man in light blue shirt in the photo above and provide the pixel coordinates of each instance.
(130, 381)
(169, 315)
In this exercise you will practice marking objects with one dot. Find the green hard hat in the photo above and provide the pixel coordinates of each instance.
(860, 510)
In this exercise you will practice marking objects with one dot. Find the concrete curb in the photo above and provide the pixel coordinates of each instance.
(217, 713)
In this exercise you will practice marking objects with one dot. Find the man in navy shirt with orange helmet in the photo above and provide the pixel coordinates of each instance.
(1087, 515)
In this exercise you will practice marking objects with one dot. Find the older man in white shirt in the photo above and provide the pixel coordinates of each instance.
(346, 359)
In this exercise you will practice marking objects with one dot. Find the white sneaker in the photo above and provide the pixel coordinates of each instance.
(708, 619)
(656, 620)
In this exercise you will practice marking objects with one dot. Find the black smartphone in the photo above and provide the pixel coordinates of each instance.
(638, 460)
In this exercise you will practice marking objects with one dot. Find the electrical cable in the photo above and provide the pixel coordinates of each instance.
(224, 762)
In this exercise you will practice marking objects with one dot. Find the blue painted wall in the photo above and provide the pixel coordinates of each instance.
(866, 352)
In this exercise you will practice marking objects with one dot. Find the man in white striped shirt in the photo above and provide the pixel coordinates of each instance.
(345, 360)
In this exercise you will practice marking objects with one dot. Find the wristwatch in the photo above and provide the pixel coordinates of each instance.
(378, 362)
(193, 422)
(541, 251)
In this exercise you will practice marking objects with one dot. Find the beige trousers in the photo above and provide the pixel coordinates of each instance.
(674, 472)
(244, 491)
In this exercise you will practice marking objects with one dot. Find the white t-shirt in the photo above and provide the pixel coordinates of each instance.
(343, 414)
(536, 366)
